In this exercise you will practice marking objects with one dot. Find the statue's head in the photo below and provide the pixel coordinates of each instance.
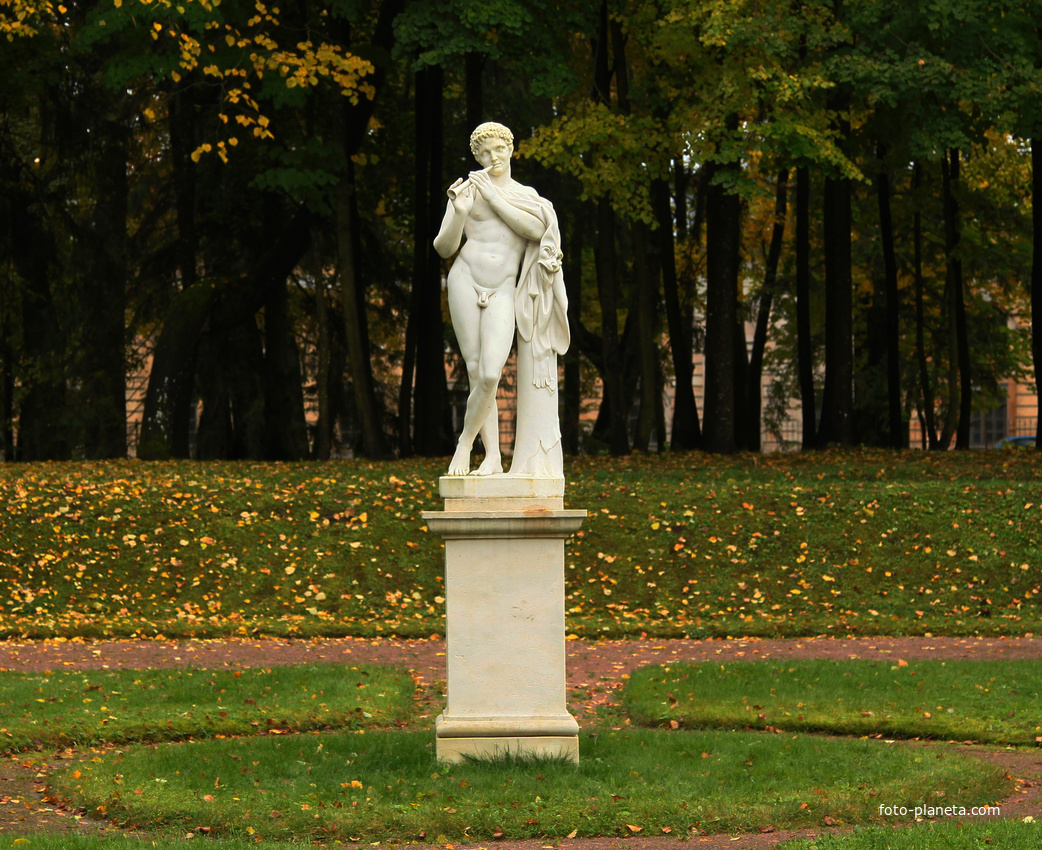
(490, 130)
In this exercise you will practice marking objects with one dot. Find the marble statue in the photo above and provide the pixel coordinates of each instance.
(507, 272)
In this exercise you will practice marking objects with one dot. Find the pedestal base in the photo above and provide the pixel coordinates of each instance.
(504, 591)
(455, 750)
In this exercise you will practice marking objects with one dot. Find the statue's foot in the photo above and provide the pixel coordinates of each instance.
(460, 463)
(491, 465)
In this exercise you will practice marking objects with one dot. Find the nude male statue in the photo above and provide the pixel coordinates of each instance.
(482, 280)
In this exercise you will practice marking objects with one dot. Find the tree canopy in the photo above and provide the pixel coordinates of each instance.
(771, 211)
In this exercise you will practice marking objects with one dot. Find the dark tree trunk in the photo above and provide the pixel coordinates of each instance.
(837, 402)
(285, 429)
(351, 122)
(607, 293)
(898, 429)
(231, 387)
(645, 297)
(168, 399)
(353, 304)
(925, 384)
(606, 264)
(955, 308)
(570, 431)
(685, 434)
(722, 234)
(171, 380)
(953, 236)
(42, 426)
(1036, 271)
(323, 446)
(474, 65)
(763, 315)
(431, 423)
(804, 340)
(104, 386)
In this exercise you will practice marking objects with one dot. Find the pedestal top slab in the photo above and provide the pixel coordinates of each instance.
(501, 492)
(499, 486)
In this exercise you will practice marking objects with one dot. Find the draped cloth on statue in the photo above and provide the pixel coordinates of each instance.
(541, 312)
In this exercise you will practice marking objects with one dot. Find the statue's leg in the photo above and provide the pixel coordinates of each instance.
(496, 322)
(466, 323)
(493, 461)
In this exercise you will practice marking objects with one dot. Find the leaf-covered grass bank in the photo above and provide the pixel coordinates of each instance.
(75, 709)
(976, 701)
(375, 786)
(824, 543)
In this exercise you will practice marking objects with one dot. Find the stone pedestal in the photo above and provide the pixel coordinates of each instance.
(504, 605)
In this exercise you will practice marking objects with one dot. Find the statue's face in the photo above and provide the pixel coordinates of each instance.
(494, 153)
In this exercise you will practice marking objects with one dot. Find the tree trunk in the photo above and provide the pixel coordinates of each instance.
(285, 428)
(168, 399)
(1036, 272)
(962, 346)
(804, 340)
(353, 305)
(645, 296)
(685, 434)
(763, 316)
(606, 264)
(570, 428)
(42, 427)
(897, 427)
(722, 233)
(607, 294)
(837, 402)
(323, 447)
(104, 387)
(925, 384)
(474, 65)
(959, 389)
(431, 423)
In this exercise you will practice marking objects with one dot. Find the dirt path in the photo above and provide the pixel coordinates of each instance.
(595, 671)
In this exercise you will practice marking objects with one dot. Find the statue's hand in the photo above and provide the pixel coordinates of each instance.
(484, 184)
(463, 200)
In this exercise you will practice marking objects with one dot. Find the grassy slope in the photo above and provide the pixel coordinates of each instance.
(836, 543)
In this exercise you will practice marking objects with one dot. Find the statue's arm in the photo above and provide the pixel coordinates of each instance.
(447, 242)
(523, 223)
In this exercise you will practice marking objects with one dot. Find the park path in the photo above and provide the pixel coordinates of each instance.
(596, 669)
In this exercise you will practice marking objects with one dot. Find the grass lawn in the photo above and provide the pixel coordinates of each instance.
(860, 543)
(962, 701)
(377, 786)
(961, 834)
(243, 776)
(84, 708)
